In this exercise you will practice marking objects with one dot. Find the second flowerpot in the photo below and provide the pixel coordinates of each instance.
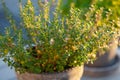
(105, 64)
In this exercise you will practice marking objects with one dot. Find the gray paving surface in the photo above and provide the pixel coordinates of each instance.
(6, 73)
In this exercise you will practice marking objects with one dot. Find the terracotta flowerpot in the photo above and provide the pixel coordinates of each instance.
(71, 74)
(105, 63)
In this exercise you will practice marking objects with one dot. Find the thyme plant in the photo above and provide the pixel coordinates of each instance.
(43, 44)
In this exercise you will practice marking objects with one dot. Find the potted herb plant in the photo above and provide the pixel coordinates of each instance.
(106, 58)
(44, 48)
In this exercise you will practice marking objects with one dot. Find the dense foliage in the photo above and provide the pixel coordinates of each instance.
(43, 44)
(82, 4)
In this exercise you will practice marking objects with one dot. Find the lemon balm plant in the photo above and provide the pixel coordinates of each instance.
(41, 44)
